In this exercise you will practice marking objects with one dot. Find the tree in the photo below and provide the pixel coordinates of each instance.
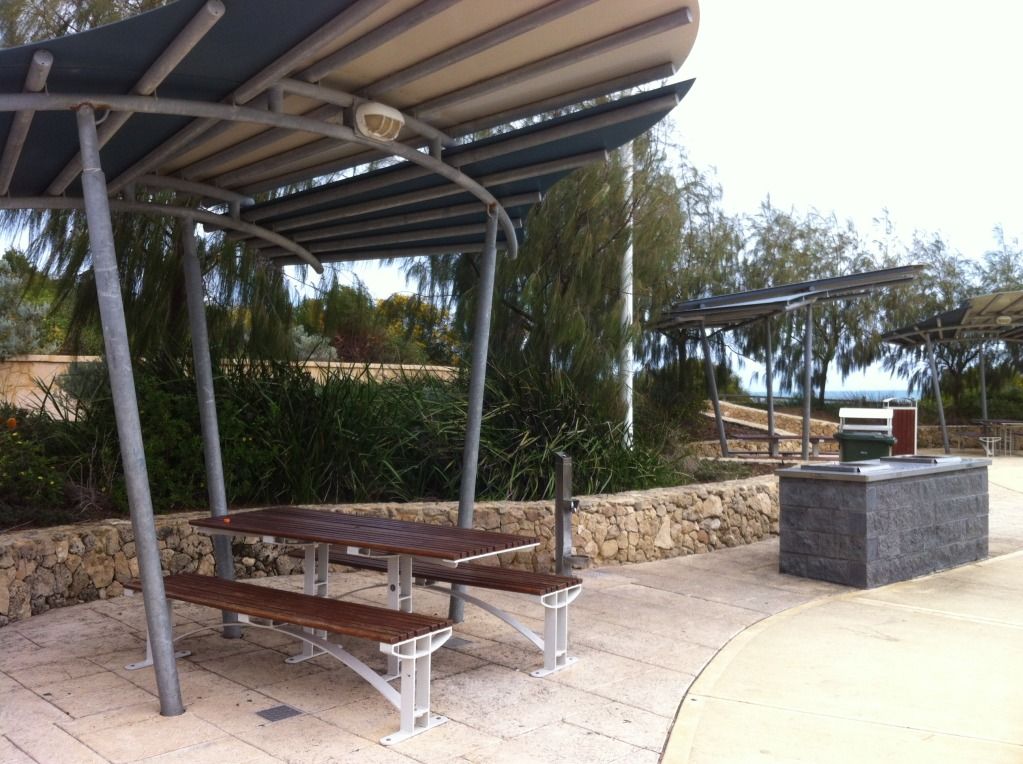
(785, 248)
(24, 21)
(22, 322)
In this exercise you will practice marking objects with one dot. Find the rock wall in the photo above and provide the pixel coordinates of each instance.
(784, 423)
(52, 567)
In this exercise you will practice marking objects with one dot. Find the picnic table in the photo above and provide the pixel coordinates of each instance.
(775, 440)
(998, 432)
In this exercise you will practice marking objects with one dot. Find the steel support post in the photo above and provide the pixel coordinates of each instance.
(207, 411)
(983, 385)
(712, 388)
(772, 445)
(807, 379)
(626, 361)
(937, 395)
(126, 413)
(564, 507)
(477, 381)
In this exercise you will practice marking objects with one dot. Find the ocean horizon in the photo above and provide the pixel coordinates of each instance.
(878, 395)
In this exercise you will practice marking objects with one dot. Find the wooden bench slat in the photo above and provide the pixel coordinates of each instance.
(337, 616)
(483, 576)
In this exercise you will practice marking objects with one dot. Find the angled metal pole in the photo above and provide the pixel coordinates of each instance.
(983, 386)
(772, 445)
(937, 395)
(126, 412)
(477, 381)
(207, 411)
(712, 388)
(807, 379)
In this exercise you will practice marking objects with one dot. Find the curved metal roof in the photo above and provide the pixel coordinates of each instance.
(994, 317)
(732, 311)
(226, 99)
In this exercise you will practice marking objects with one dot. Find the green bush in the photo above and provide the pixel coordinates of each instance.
(31, 481)
(288, 439)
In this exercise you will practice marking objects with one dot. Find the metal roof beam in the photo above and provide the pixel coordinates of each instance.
(390, 239)
(210, 219)
(437, 192)
(35, 80)
(455, 54)
(253, 180)
(197, 28)
(533, 139)
(562, 100)
(202, 190)
(298, 56)
(369, 42)
(387, 254)
(606, 44)
(218, 111)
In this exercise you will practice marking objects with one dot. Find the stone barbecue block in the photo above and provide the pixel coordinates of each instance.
(875, 522)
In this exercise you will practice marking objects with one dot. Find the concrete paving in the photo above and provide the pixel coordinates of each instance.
(779, 659)
(926, 670)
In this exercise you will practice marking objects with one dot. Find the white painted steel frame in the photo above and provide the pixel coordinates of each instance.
(412, 656)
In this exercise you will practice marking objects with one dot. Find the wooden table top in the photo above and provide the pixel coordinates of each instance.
(379, 534)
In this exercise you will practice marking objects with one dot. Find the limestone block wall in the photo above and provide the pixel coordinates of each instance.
(786, 422)
(47, 568)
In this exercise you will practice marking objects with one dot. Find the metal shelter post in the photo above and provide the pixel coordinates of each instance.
(769, 371)
(937, 394)
(983, 385)
(627, 360)
(564, 507)
(477, 380)
(807, 378)
(129, 428)
(712, 388)
(207, 411)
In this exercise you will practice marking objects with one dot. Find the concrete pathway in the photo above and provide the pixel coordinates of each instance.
(642, 633)
(927, 670)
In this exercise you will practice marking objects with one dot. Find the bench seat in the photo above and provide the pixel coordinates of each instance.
(555, 593)
(410, 638)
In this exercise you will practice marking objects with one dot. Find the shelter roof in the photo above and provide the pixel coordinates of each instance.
(225, 100)
(989, 317)
(731, 311)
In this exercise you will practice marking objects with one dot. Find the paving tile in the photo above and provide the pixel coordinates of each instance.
(196, 684)
(319, 691)
(222, 751)
(656, 691)
(23, 709)
(374, 718)
(50, 743)
(8, 683)
(568, 742)
(150, 736)
(11, 754)
(629, 724)
(259, 668)
(235, 713)
(34, 677)
(93, 693)
(306, 739)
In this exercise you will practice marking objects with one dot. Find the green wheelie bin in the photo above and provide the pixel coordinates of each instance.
(856, 446)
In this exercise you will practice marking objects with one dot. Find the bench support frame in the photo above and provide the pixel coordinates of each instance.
(413, 657)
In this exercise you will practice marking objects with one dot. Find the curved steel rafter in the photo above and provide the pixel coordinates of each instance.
(187, 213)
(232, 113)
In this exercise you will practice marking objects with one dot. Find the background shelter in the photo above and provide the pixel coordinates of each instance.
(734, 311)
(987, 318)
(197, 109)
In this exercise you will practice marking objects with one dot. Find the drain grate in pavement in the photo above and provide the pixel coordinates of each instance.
(277, 713)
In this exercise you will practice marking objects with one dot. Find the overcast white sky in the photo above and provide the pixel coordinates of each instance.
(854, 107)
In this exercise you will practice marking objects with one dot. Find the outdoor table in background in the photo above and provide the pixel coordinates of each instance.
(1006, 429)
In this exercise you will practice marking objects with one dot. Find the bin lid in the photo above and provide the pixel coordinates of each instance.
(865, 436)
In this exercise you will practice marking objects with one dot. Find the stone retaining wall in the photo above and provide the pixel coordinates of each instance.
(786, 422)
(53, 567)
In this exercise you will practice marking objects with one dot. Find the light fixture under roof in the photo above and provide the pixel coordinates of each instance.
(1003, 320)
(378, 121)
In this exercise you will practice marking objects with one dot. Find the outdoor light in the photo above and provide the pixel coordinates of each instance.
(377, 121)
(1003, 320)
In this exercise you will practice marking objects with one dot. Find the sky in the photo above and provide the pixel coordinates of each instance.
(854, 108)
